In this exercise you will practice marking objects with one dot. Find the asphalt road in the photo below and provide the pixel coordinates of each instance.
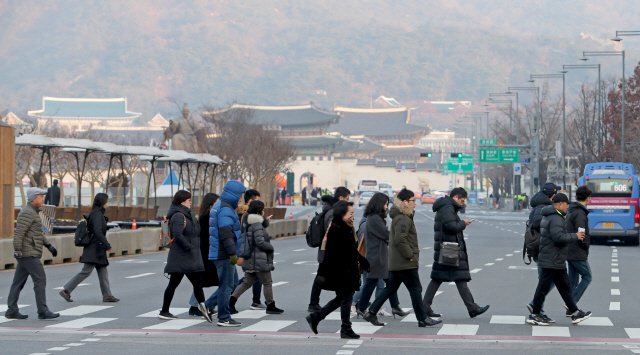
(500, 279)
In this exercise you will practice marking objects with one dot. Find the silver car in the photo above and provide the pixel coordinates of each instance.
(364, 198)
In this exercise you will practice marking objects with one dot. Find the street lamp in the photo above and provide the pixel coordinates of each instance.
(599, 100)
(480, 113)
(535, 149)
(564, 109)
(517, 113)
(614, 53)
(624, 33)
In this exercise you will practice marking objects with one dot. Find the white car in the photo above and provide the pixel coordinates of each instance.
(364, 198)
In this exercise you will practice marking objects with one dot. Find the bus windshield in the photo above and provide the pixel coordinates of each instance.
(369, 183)
(610, 187)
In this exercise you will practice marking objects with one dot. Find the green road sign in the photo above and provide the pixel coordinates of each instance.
(495, 155)
(459, 165)
(487, 142)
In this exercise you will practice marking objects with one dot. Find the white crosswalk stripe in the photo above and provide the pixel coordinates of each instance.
(508, 320)
(458, 329)
(81, 323)
(554, 331)
(268, 326)
(4, 307)
(363, 328)
(83, 310)
(250, 314)
(597, 321)
(174, 311)
(176, 324)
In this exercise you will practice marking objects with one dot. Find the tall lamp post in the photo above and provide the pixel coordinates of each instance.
(535, 142)
(598, 100)
(498, 94)
(479, 113)
(614, 53)
(564, 120)
(510, 102)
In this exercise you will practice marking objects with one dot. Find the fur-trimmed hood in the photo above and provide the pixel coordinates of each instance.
(256, 218)
(400, 207)
(241, 210)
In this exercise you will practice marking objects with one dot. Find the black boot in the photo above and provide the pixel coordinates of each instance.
(397, 311)
(232, 305)
(478, 311)
(373, 319)
(313, 321)
(195, 311)
(432, 314)
(348, 334)
(272, 309)
(428, 322)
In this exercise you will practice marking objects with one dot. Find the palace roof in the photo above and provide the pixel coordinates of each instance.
(375, 122)
(54, 107)
(300, 115)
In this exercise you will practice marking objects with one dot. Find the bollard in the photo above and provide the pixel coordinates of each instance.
(134, 226)
(291, 215)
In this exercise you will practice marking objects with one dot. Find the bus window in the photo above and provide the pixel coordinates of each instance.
(610, 187)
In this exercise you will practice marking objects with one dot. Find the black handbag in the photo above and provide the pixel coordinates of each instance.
(450, 253)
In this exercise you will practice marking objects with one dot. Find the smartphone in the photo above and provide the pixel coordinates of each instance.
(472, 220)
(270, 216)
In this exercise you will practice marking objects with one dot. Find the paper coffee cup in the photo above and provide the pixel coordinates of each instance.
(581, 230)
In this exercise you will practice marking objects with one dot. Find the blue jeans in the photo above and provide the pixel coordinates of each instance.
(228, 276)
(579, 269)
(366, 290)
(551, 288)
(212, 301)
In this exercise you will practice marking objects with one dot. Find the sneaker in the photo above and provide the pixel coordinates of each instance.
(314, 308)
(530, 308)
(547, 319)
(229, 323)
(568, 314)
(110, 299)
(167, 316)
(536, 319)
(48, 315)
(205, 312)
(258, 306)
(383, 313)
(195, 311)
(579, 316)
(66, 295)
(16, 316)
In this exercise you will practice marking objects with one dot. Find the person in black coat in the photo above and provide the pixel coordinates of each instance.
(94, 255)
(578, 258)
(185, 256)
(340, 269)
(449, 228)
(210, 274)
(52, 197)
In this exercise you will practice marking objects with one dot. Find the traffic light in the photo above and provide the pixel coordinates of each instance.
(428, 155)
(456, 155)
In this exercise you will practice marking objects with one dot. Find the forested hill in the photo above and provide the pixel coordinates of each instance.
(287, 52)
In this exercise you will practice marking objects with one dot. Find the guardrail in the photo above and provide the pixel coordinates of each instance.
(128, 242)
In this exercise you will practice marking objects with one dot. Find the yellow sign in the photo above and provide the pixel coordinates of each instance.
(488, 184)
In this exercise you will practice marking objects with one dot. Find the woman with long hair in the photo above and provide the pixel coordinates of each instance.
(373, 228)
(185, 257)
(210, 274)
(340, 269)
(94, 255)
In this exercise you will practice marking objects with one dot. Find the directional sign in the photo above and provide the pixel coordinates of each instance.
(461, 165)
(517, 169)
(493, 155)
(487, 142)
(525, 161)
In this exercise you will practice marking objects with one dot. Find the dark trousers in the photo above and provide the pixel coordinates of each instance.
(174, 281)
(29, 266)
(257, 289)
(343, 301)
(367, 290)
(558, 277)
(463, 290)
(315, 293)
(103, 278)
(411, 280)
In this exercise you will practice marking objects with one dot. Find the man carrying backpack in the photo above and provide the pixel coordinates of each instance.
(342, 193)
(552, 259)
(539, 201)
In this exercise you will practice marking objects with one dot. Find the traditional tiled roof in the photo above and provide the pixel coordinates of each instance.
(399, 151)
(301, 115)
(12, 120)
(158, 121)
(374, 122)
(54, 107)
(389, 101)
(325, 140)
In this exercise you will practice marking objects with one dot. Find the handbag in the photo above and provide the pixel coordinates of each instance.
(449, 254)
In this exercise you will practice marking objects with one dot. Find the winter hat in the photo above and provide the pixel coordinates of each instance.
(550, 189)
(33, 192)
(560, 198)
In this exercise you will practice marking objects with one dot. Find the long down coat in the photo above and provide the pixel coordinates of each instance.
(96, 251)
(185, 255)
(449, 227)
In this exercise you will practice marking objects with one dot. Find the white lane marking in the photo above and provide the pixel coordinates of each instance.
(614, 255)
(508, 320)
(614, 306)
(426, 248)
(615, 279)
(176, 324)
(614, 264)
(354, 342)
(458, 329)
(102, 335)
(332, 316)
(475, 271)
(62, 288)
(614, 260)
(499, 259)
(82, 310)
(615, 271)
(314, 273)
(81, 323)
(509, 255)
(550, 332)
(488, 264)
(280, 283)
(363, 328)
(300, 249)
(276, 253)
(428, 265)
(305, 263)
(4, 320)
(345, 352)
(141, 275)
(91, 339)
(268, 326)
(633, 333)
(522, 268)
(74, 344)
(4, 307)
(174, 311)
(57, 348)
(615, 292)
(133, 261)
(597, 321)
(251, 314)
(517, 251)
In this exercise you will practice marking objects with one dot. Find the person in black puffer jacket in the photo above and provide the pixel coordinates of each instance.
(449, 228)
(579, 250)
(185, 258)
(260, 264)
(94, 255)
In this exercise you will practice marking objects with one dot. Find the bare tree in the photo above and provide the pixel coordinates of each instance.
(24, 160)
(584, 127)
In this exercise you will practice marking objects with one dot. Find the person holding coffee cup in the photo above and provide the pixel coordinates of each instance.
(578, 221)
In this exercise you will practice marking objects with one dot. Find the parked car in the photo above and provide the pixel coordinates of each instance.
(428, 197)
(364, 198)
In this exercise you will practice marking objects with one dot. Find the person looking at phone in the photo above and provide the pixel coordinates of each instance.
(449, 228)
(577, 220)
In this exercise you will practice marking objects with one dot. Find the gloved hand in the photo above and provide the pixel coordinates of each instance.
(52, 249)
(233, 259)
(364, 264)
(17, 254)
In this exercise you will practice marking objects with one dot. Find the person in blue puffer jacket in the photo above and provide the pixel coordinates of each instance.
(224, 243)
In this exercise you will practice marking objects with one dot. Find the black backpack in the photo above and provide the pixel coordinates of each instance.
(82, 237)
(531, 243)
(246, 243)
(315, 232)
